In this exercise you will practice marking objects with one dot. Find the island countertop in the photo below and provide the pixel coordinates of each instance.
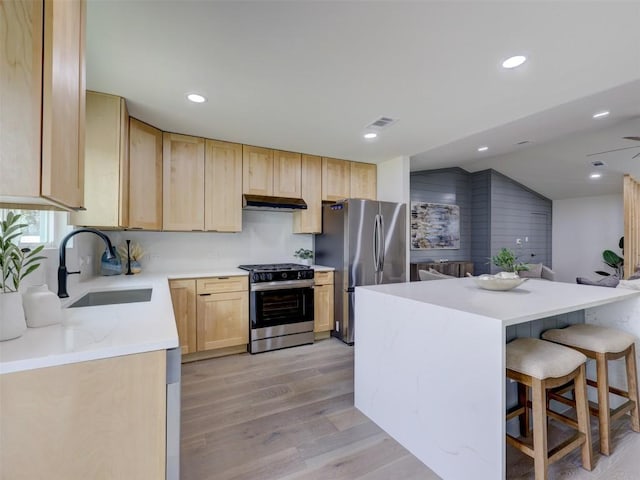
(532, 300)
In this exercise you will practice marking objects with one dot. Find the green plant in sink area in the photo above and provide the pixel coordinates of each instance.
(16, 263)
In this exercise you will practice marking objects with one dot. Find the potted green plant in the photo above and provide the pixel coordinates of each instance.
(305, 255)
(15, 264)
(508, 261)
(613, 260)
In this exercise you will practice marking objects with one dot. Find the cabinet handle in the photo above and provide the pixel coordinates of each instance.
(222, 278)
(134, 228)
(204, 294)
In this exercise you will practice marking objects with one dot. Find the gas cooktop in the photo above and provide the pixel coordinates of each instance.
(274, 267)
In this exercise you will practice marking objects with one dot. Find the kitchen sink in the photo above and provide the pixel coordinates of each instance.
(111, 297)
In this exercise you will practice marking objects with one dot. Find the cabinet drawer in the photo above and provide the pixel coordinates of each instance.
(221, 284)
(323, 278)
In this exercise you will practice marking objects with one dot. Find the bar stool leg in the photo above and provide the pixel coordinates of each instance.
(632, 387)
(540, 459)
(523, 400)
(584, 426)
(604, 412)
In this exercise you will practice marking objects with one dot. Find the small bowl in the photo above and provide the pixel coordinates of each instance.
(501, 284)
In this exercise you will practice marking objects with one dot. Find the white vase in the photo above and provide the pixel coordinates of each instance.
(306, 261)
(41, 307)
(12, 322)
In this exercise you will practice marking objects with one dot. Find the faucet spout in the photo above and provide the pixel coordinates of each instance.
(62, 268)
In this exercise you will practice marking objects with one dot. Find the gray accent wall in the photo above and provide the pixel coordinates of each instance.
(518, 212)
(481, 221)
(495, 212)
(449, 186)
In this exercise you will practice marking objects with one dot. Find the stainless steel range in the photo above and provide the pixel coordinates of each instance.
(280, 306)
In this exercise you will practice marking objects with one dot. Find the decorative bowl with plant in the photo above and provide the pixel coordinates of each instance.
(508, 261)
(304, 254)
(16, 263)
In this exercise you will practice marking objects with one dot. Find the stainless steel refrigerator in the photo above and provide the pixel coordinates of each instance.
(365, 241)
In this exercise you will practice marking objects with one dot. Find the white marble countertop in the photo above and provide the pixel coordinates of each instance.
(91, 333)
(532, 300)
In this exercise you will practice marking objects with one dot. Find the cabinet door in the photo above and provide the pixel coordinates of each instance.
(223, 320)
(183, 297)
(21, 97)
(145, 176)
(106, 191)
(364, 181)
(336, 179)
(257, 170)
(63, 102)
(183, 182)
(223, 186)
(287, 168)
(113, 410)
(323, 308)
(310, 220)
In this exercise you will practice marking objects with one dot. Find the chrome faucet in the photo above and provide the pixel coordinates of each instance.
(62, 269)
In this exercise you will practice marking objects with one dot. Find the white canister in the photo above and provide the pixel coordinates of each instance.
(41, 307)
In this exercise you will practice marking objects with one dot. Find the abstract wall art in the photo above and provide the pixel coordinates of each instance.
(434, 225)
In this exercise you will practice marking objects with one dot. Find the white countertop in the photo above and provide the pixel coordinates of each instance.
(532, 300)
(91, 333)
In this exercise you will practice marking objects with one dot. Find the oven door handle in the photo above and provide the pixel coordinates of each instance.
(286, 285)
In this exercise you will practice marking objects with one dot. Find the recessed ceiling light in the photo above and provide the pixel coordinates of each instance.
(196, 98)
(595, 175)
(515, 61)
(483, 149)
(370, 135)
(601, 114)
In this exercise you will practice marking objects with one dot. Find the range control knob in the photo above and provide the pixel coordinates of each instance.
(284, 275)
(256, 277)
(269, 276)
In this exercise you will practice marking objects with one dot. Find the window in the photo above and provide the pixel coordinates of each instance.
(44, 226)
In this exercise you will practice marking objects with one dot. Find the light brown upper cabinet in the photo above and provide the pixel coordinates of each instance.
(106, 163)
(223, 186)
(43, 103)
(336, 179)
(257, 170)
(183, 185)
(145, 176)
(273, 173)
(310, 220)
(364, 181)
(287, 168)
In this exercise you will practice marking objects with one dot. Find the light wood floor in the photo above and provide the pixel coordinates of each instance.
(289, 415)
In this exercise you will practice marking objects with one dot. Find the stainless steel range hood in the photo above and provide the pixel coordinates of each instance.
(261, 202)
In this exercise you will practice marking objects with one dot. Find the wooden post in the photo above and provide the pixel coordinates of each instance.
(631, 193)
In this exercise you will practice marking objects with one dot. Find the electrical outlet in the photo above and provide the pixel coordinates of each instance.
(518, 241)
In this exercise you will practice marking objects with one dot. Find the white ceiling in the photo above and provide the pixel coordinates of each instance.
(309, 76)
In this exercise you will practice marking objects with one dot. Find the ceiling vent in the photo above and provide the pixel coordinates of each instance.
(381, 123)
(598, 163)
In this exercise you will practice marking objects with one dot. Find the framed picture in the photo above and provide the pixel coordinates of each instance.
(434, 225)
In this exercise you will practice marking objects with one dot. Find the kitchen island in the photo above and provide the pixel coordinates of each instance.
(430, 360)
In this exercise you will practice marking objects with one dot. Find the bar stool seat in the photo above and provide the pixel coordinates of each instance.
(543, 366)
(602, 344)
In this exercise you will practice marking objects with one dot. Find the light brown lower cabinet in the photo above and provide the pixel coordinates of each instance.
(183, 297)
(323, 302)
(96, 419)
(211, 313)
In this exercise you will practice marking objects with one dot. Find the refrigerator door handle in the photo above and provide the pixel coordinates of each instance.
(381, 243)
(376, 261)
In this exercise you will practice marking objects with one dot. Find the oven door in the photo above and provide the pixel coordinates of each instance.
(270, 308)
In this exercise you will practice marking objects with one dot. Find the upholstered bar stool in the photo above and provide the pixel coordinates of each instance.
(603, 344)
(542, 366)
